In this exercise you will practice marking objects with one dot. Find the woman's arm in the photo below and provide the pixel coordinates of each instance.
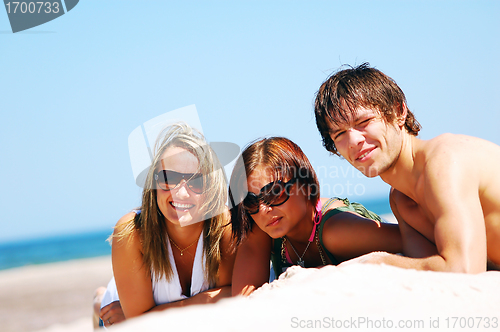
(209, 296)
(222, 289)
(113, 312)
(133, 280)
(348, 235)
(228, 258)
(252, 265)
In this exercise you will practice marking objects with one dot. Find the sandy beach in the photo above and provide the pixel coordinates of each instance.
(54, 297)
(360, 297)
(363, 297)
(51, 297)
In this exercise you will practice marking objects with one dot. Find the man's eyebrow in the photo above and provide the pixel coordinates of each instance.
(332, 131)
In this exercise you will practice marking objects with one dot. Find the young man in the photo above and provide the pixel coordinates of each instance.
(445, 191)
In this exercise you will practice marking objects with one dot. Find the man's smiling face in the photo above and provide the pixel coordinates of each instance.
(367, 141)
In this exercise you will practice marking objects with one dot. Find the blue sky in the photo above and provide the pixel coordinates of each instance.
(73, 89)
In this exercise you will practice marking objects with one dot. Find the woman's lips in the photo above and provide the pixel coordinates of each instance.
(274, 222)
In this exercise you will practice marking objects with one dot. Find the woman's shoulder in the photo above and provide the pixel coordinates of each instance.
(328, 204)
(126, 219)
(334, 216)
(331, 211)
(125, 230)
(337, 224)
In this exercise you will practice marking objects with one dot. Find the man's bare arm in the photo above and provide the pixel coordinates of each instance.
(449, 199)
(415, 244)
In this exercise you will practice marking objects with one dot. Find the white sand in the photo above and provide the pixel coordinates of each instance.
(360, 297)
(41, 296)
(363, 297)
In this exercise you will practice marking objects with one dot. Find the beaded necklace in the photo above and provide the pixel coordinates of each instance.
(314, 236)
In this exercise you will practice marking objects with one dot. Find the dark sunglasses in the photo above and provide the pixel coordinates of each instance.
(272, 194)
(169, 180)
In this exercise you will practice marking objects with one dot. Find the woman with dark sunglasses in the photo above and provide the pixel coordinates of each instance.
(175, 250)
(278, 191)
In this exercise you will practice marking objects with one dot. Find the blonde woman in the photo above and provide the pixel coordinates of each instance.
(175, 250)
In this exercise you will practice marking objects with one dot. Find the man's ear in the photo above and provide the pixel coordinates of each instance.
(401, 118)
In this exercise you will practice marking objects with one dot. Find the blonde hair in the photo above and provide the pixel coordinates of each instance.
(150, 223)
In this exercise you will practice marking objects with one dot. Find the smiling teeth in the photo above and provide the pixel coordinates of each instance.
(182, 206)
(363, 155)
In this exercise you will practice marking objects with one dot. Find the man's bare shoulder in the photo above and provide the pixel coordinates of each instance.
(464, 143)
(452, 142)
(464, 149)
(451, 163)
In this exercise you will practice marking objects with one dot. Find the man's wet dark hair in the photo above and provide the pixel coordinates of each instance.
(348, 90)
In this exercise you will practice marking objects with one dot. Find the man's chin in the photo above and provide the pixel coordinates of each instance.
(369, 172)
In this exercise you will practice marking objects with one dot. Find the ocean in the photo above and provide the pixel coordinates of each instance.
(54, 249)
(92, 244)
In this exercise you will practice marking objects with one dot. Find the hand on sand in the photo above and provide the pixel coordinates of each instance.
(112, 314)
(376, 257)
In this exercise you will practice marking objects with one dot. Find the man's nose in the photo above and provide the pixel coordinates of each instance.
(355, 137)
